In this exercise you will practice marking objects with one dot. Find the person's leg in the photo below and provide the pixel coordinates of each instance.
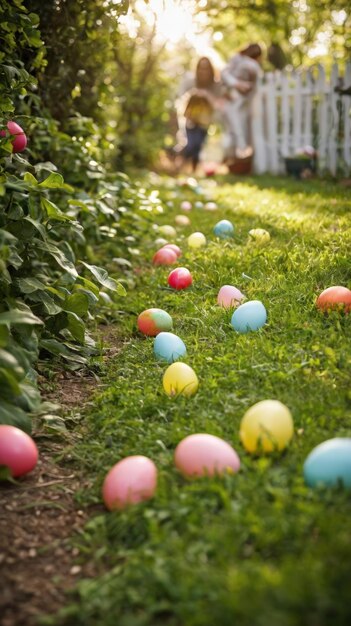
(196, 136)
(237, 112)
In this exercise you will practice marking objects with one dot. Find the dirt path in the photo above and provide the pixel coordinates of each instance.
(37, 520)
(39, 517)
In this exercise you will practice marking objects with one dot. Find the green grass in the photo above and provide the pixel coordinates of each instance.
(258, 548)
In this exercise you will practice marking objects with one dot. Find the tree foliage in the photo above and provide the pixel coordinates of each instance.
(299, 27)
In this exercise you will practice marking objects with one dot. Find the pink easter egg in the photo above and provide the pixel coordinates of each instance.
(205, 455)
(186, 206)
(229, 296)
(19, 141)
(164, 256)
(18, 451)
(182, 220)
(132, 480)
(180, 278)
(176, 249)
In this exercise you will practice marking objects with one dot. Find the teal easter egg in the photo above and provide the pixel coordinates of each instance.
(169, 347)
(329, 464)
(224, 229)
(249, 316)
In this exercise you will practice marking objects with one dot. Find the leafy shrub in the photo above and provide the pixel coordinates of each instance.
(49, 291)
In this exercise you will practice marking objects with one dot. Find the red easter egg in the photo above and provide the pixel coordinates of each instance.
(19, 141)
(18, 451)
(172, 246)
(180, 278)
(154, 321)
(333, 298)
(164, 256)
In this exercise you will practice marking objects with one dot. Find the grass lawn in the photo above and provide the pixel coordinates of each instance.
(258, 548)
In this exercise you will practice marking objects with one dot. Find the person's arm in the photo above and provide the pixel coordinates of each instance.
(230, 81)
(186, 84)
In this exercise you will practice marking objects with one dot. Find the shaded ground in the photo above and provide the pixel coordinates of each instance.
(39, 516)
(38, 562)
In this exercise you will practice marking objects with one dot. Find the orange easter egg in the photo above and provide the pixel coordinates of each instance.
(334, 298)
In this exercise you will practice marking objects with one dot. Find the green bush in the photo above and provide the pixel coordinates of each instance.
(48, 290)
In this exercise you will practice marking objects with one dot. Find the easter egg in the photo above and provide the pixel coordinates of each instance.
(223, 229)
(329, 464)
(19, 141)
(210, 206)
(210, 169)
(251, 315)
(334, 297)
(164, 256)
(205, 455)
(180, 378)
(153, 321)
(199, 204)
(266, 426)
(182, 220)
(186, 205)
(180, 278)
(196, 240)
(169, 347)
(18, 451)
(167, 231)
(160, 242)
(259, 236)
(130, 481)
(176, 249)
(229, 297)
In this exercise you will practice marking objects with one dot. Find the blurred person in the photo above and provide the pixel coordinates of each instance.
(199, 96)
(240, 77)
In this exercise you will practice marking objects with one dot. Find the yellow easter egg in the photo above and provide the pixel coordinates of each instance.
(259, 236)
(168, 231)
(180, 378)
(266, 426)
(196, 240)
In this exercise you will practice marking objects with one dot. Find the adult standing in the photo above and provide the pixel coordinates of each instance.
(240, 77)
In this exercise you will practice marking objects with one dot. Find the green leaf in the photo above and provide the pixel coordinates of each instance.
(29, 178)
(9, 361)
(53, 181)
(101, 276)
(8, 384)
(59, 349)
(4, 336)
(15, 316)
(77, 327)
(121, 290)
(77, 303)
(52, 210)
(39, 227)
(28, 285)
(59, 257)
(5, 474)
(49, 304)
(15, 416)
(90, 286)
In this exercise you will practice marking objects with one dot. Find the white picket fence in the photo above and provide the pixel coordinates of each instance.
(299, 108)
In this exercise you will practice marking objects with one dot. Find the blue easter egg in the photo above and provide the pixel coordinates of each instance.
(223, 229)
(169, 347)
(329, 464)
(249, 316)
